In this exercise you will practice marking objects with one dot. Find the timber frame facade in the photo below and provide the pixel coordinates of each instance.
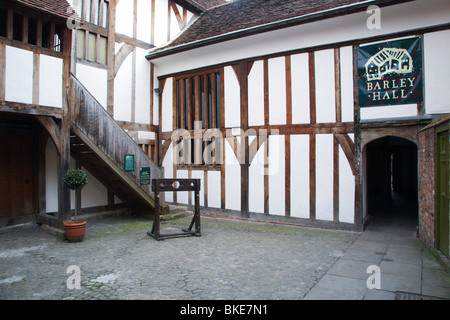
(265, 112)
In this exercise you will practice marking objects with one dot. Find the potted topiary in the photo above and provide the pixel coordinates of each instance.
(75, 179)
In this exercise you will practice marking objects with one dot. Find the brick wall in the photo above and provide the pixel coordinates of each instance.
(427, 187)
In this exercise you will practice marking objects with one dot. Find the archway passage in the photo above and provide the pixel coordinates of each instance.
(392, 181)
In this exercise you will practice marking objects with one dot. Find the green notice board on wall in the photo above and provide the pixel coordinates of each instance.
(144, 175)
(128, 162)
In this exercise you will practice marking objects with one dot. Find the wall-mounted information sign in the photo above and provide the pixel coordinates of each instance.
(128, 162)
(390, 73)
(144, 175)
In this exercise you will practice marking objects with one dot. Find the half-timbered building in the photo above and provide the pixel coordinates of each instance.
(302, 112)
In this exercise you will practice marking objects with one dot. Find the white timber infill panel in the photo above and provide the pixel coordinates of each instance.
(396, 18)
(277, 91)
(325, 86)
(19, 75)
(437, 71)
(347, 99)
(144, 20)
(95, 81)
(324, 177)
(161, 23)
(124, 17)
(276, 175)
(346, 189)
(300, 88)
(94, 193)
(232, 179)
(214, 189)
(300, 176)
(256, 180)
(142, 100)
(123, 85)
(256, 94)
(167, 106)
(232, 99)
(50, 81)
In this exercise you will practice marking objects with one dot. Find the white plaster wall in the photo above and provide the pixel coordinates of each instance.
(142, 104)
(347, 102)
(300, 88)
(276, 177)
(398, 111)
(232, 99)
(256, 180)
(256, 94)
(325, 86)
(144, 20)
(19, 75)
(277, 91)
(51, 177)
(300, 176)
(94, 193)
(324, 177)
(437, 70)
(50, 81)
(232, 180)
(122, 90)
(124, 17)
(95, 81)
(214, 189)
(346, 189)
(167, 107)
(161, 14)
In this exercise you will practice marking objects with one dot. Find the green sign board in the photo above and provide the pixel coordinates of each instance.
(144, 175)
(128, 162)
(390, 73)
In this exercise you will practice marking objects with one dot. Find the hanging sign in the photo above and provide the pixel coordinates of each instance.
(144, 175)
(128, 162)
(390, 73)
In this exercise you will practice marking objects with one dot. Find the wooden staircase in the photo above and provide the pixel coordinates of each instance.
(99, 144)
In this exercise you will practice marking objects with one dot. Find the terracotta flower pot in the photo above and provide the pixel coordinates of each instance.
(75, 230)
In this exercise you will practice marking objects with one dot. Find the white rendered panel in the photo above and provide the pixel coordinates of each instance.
(95, 81)
(144, 20)
(94, 193)
(277, 91)
(161, 15)
(232, 99)
(168, 170)
(232, 179)
(198, 174)
(325, 86)
(300, 176)
(214, 189)
(167, 106)
(256, 181)
(436, 70)
(51, 177)
(50, 81)
(346, 190)
(142, 102)
(300, 88)
(277, 180)
(256, 94)
(124, 18)
(324, 177)
(19, 75)
(122, 90)
(347, 103)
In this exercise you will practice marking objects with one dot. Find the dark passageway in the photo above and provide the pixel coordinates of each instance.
(392, 182)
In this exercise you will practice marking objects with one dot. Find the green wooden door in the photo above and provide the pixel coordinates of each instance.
(442, 192)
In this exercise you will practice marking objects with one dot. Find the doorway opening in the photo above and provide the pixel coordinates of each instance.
(391, 180)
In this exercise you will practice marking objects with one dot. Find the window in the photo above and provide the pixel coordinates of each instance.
(20, 26)
(94, 11)
(198, 106)
(91, 46)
